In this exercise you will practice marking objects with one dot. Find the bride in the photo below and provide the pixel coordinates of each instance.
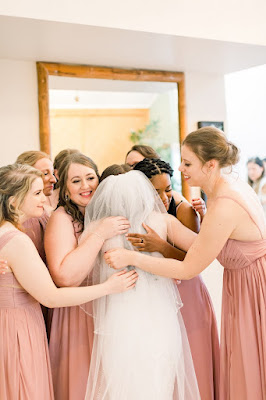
(140, 349)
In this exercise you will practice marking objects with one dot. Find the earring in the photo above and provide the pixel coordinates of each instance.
(66, 197)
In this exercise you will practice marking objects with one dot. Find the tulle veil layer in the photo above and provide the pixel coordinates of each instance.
(140, 349)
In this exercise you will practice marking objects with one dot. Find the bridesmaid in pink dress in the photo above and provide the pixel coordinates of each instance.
(234, 230)
(71, 335)
(25, 372)
(35, 227)
(197, 310)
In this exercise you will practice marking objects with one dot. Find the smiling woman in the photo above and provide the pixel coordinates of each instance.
(70, 265)
(25, 371)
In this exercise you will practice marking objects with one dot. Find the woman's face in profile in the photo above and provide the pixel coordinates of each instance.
(33, 204)
(45, 165)
(254, 171)
(133, 158)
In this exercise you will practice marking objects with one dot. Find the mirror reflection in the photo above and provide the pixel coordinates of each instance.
(105, 118)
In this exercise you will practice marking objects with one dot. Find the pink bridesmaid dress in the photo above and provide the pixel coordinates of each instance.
(70, 345)
(201, 326)
(25, 372)
(200, 322)
(35, 228)
(243, 335)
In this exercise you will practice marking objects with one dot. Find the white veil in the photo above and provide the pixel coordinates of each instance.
(140, 349)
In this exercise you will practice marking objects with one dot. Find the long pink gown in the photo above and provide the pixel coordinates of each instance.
(200, 322)
(70, 345)
(243, 335)
(25, 372)
(201, 326)
(35, 228)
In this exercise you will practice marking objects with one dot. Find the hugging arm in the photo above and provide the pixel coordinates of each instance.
(70, 263)
(216, 228)
(34, 277)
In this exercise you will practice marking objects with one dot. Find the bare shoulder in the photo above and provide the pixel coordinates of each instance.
(19, 245)
(222, 209)
(188, 216)
(178, 197)
(59, 216)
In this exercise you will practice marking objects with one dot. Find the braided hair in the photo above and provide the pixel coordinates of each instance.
(154, 166)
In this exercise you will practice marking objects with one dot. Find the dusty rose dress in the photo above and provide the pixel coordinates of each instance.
(35, 228)
(201, 326)
(24, 358)
(243, 335)
(70, 345)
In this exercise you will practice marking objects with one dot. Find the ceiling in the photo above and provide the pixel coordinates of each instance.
(39, 40)
(233, 21)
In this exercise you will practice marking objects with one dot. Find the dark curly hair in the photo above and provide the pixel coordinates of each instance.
(154, 166)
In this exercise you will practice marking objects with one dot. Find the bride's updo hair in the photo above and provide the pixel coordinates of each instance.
(209, 143)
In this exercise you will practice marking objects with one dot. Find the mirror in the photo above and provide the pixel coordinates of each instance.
(104, 111)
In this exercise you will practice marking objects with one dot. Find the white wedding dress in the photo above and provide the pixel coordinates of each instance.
(140, 349)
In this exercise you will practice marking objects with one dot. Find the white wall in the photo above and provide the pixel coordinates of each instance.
(205, 98)
(246, 104)
(18, 109)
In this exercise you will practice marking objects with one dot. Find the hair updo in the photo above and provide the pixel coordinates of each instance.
(31, 157)
(209, 143)
(115, 169)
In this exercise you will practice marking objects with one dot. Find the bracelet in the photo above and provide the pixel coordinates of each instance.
(97, 234)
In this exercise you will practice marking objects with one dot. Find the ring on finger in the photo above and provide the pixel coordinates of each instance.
(141, 240)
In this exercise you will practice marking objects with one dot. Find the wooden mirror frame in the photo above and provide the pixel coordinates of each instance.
(85, 71)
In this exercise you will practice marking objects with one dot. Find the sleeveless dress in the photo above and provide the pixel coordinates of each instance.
(243, 334)
(201, 326)
(35, 228)
(25, 372)
(70, 346)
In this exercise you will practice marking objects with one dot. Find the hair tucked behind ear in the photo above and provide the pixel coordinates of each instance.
(209, 143)
(154, 166)
(15, 182)
(59, 159)
(70, 207)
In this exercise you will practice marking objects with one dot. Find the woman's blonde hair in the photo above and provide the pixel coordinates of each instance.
(209, 143)
(31, 157)
(15, 182)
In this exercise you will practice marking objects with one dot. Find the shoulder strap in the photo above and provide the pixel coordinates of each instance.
(244, 208)
(6, 237)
